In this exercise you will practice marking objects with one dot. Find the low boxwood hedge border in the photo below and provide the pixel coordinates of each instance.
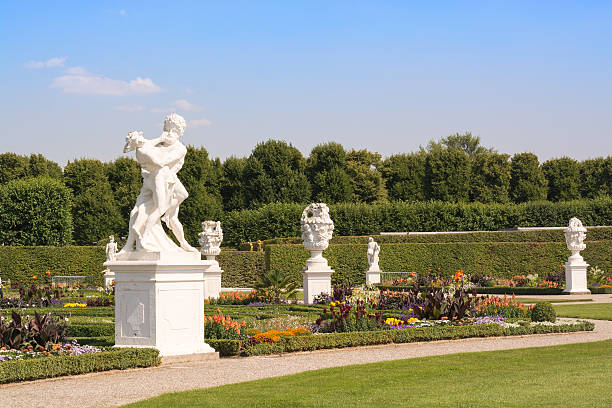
(353, 339)
(505, 290)
(600, 290)
(48, 367)
(225, 347)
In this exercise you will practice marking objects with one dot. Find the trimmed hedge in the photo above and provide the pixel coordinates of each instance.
(600, 290)
(498, 259)
(91, 330)
(47, 367)
(506, 290)
(19, 264)
(593, 234)
(283, 220)
(225, 347)
(354, 339)
(241, 268)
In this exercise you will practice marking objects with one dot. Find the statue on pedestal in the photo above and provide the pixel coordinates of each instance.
(162, 192)
(373, 251)
(111, 249)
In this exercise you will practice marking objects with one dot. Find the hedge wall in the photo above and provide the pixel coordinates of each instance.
(283, 220)
(241, 268)
(19, 264)
(593, 234)
(499, 259)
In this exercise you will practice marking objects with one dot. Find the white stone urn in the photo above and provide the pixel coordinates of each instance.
(575, 267)
(210, 239)
(317, 230)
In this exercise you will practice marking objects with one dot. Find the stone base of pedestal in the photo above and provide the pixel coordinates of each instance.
(109, 278)
(315, 283)
(373, 276)
(159, 303)
(576, 278)
(212, 279)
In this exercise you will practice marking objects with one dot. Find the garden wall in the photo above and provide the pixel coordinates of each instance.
(498, 259)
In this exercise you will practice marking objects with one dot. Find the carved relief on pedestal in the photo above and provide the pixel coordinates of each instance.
(317, 227)
(575, 234)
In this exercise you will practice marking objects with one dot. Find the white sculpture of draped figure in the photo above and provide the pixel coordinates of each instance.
(161, 193)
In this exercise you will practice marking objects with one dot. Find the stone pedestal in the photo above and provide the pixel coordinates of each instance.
(576, 277)
(109, 278)
(373, 276)
(159, 302)
(212, 278)
(316, 277)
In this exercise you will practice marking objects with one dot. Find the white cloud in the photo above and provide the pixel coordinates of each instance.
(196, 123)
(50, 63)
(77, 71)
(79, 81)
(129, 108)
(180, 104)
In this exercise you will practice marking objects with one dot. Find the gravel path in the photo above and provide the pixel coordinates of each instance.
(113, 388)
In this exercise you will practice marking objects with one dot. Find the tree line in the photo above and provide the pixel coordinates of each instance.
(456, 168)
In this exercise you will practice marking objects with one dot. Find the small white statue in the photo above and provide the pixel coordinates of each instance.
(317, 227)
(162, 192)
(373, 251)
(111, 249)
(210, 239)
(575, 234)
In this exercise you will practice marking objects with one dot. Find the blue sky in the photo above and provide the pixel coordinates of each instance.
(384, 75)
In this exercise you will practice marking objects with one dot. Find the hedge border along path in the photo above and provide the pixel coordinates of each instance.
(121, 387)
(48, 367)
(497, 259)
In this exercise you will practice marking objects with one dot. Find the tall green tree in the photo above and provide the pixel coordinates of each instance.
(13, 167)
(527, 182)
(39, 165)
(404, 176)
(563, 176)
(125, 180)
(366, 178)
(95, 213)
(465, 142)
(232, 183)
(201, 179)
(594, 177)
(490, 178)
(447, 175)
(326, 169)
(274, 172)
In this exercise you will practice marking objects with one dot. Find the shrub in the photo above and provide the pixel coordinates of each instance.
(543, 312)
(28, 331)
(35, 212)
(242, 269)
(226, 347)
(113, 359)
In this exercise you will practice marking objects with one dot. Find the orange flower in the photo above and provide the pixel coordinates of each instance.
(34, 277)
(48, 272)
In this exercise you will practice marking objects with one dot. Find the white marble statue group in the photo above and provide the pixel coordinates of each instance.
(162, 192)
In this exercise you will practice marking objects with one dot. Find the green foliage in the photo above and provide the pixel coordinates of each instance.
(35, 212)
(527, 182)
(543, 312)
(91, 329)
(404, 176)
(125, 180)
(466, 143)
(490, 181)
(12, 167)
(563, 178)
(20, 263)
(283, 220)
(241, 268)
(274, 172)
(232, 184)
(447, 175)
(94, 211)
(275, 286)
(362, 168)
(594, 174)
(48, 367)
(39, 165)
(226, 347)
(326, 169)
(497, 259)
(200, 177)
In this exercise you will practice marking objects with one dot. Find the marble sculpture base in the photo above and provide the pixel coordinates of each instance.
(576, 278)
(316, 278)
(159, 302)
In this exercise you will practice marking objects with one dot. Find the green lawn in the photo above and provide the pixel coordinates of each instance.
(602, 311)
(534, 300)
(515, 378)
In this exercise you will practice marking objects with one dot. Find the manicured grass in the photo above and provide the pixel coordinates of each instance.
(534, 300)
(602, 311)
(514, 378)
